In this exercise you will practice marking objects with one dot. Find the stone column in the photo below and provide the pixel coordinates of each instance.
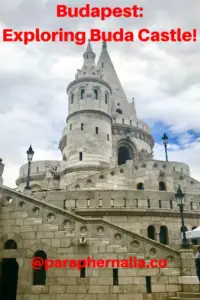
(188, 277)
(1, 171)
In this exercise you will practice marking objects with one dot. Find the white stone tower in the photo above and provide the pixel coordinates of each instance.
(86, 143)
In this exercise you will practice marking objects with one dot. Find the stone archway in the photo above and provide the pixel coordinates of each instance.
(126, 150)
(8, 279)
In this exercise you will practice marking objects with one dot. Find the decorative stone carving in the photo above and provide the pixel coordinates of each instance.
(51, 218)
(83, 230)
(36, 210)
(135, 244)
(67, 224)
(117, 237)
(100, 230)
(153, 252)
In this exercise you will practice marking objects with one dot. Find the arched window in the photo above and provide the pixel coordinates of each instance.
(140, 186)
(151, 232)
(96, 94)
(10, 245)
(194, 241)
(164, 239)
(82, 94)
(119, 111)
(123, 155)
(39, 275)
(106, 98)
(162, 186)
(72, 98)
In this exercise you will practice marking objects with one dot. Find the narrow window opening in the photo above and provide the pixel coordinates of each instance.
(148, 203)
(82, 94)
(96, 94)
(102, 64)
(124, 202)
(97, 130)
(70, 126)
(191, 205)
(83, 270)
(122, 121)
(136, 203)
(112, 202)
(100, 202)
(82, 126)
(137, 124)
(37, 169)
(160, 204)
(131, 122)
(88, 202)
(39, 275)
(106, 98)
(148, 284)
(171, 204)
(115, 277)
(108, 137)
(80, 156)
(76, 203)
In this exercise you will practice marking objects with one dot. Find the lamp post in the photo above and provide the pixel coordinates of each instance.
(30, 154)
(180, 201)
(165, 142)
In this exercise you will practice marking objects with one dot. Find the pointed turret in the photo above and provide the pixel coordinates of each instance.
(89, 56)
(120, 103)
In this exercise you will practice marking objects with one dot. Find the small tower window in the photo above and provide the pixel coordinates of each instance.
(82, 94)
(97, 130)
(122, 121)
(148, 203)
(112, 202)
(102, 65)
(115, 277)
(160, 204)
(82, 271)
(96, 94)
(37, 169)
(72, 98)
(100, 202)
(70, 126)
(108, 137)
(88, 202)
(131, 122)
(106, 98)
(171, 204)
(191, 205)
(82, 126)
(80, 155)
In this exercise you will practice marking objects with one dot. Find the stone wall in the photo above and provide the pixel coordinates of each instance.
(35, 225)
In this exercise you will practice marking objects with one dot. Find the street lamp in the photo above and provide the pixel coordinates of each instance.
(180, 201)
(30, 154)
(165, 142)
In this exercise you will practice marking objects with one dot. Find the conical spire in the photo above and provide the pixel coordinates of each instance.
(109, 74)
(89, 54)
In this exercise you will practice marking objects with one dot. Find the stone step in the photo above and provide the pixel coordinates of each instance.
(181, 298)
(188, 295)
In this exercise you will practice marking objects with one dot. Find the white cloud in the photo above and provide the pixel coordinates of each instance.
(163, 78)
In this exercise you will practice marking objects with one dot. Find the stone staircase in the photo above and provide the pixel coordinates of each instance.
(186, 296)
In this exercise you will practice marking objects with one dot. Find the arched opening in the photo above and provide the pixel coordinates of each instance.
(194, 241)
(82, 94)
(9, 278)
(123, 155)
(151, 232)
(140, 186)
(164, 239)
(96, 94)
(10, 245)
(39, 275)
(162, 186)
(119, 111)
